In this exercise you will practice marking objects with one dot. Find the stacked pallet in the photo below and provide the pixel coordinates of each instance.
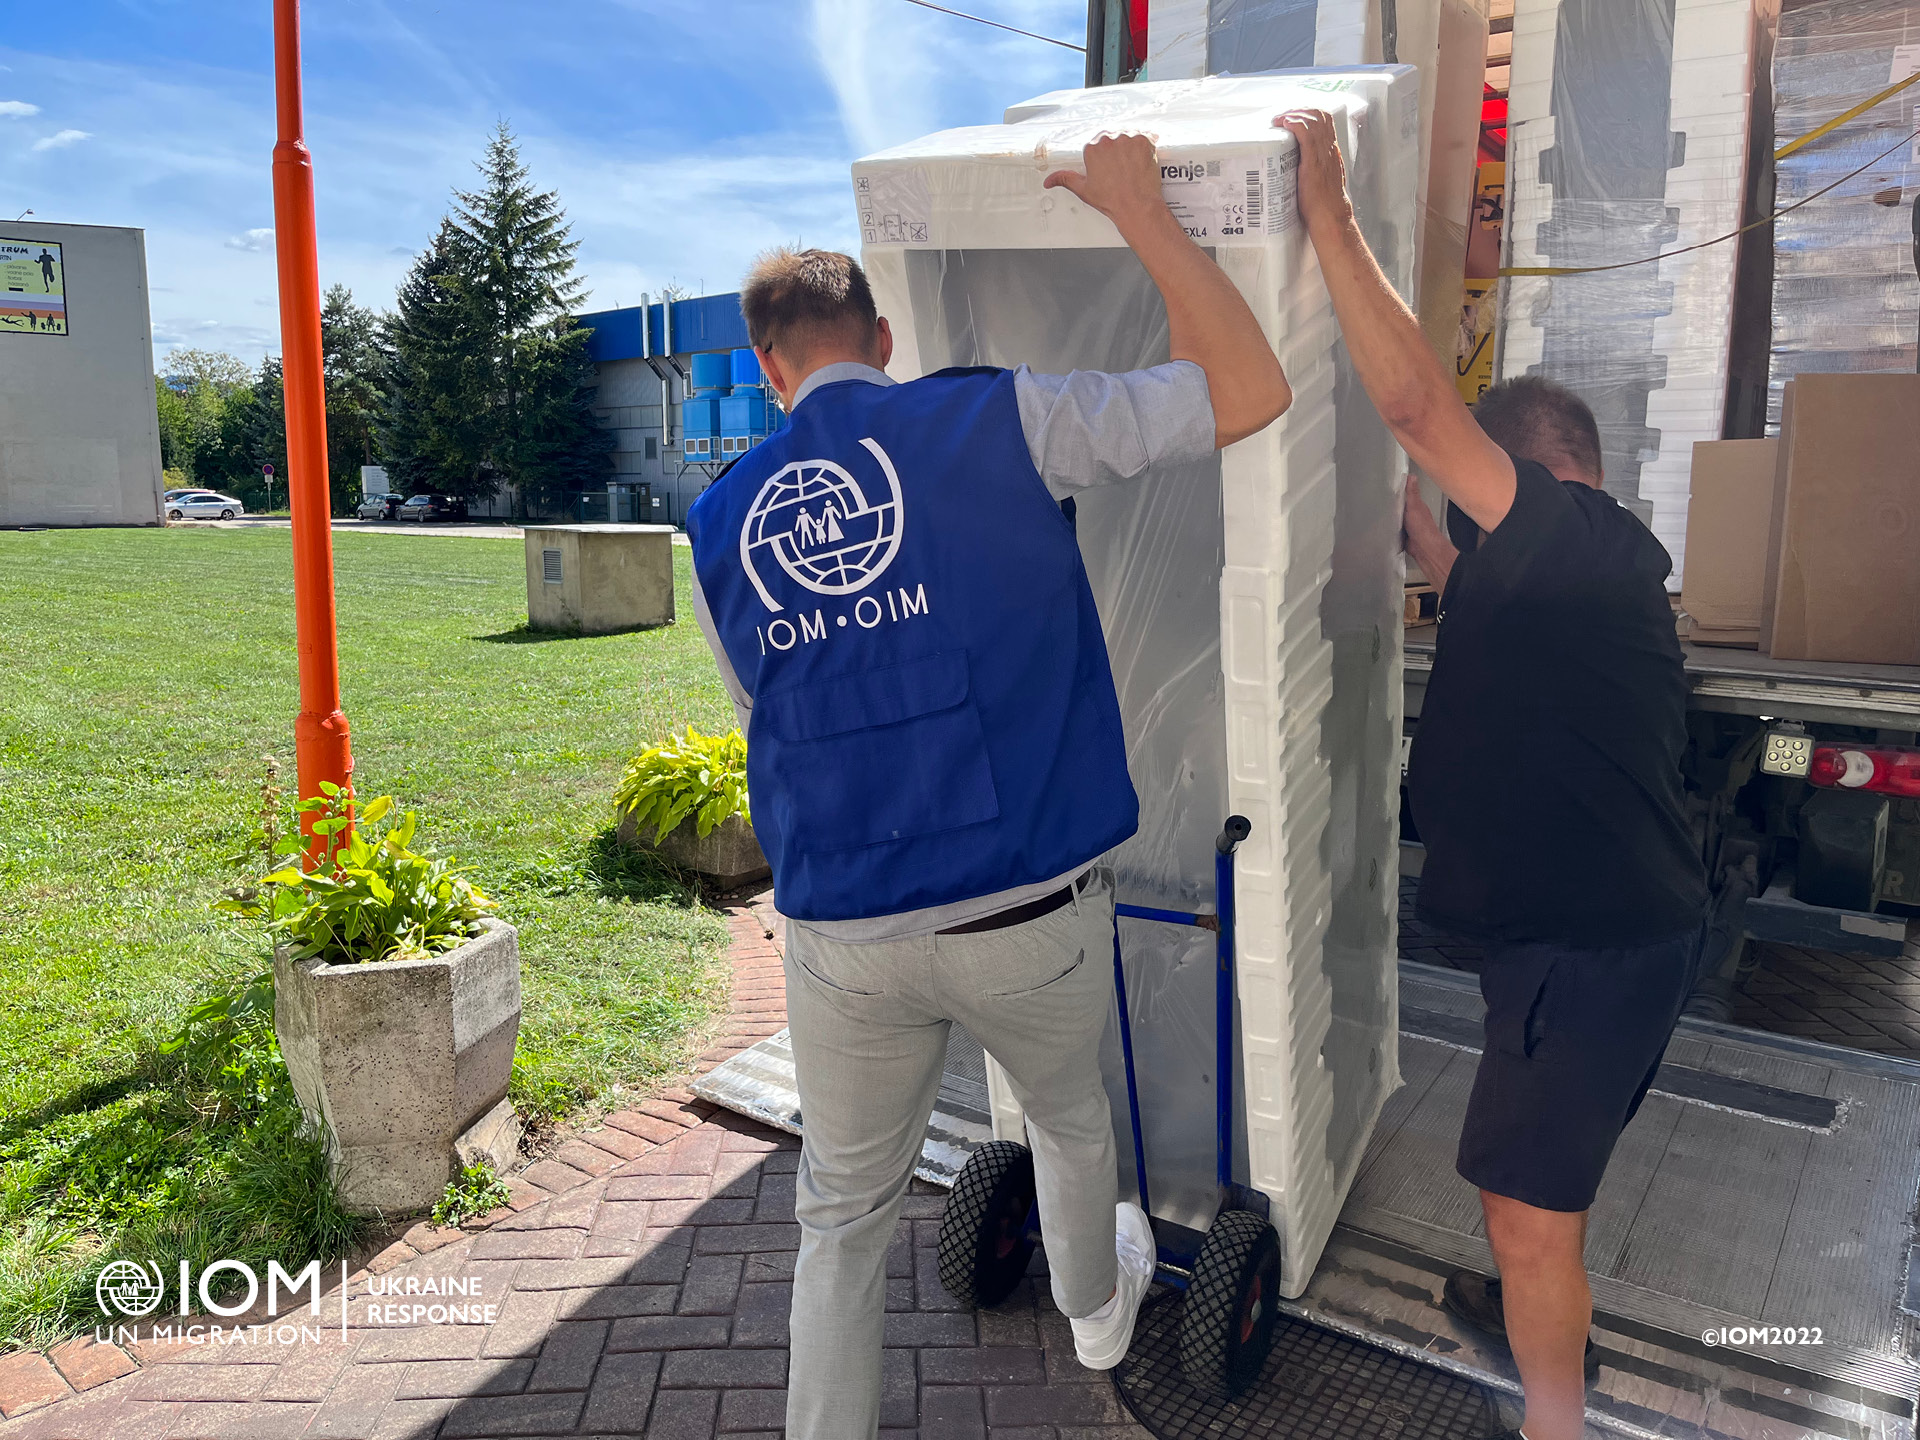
(1630, 128)
(1845, 295)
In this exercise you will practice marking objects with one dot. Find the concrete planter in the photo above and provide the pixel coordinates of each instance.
(729, 856)
(403, 1062)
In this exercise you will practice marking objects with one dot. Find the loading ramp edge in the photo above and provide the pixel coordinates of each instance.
(1464, 1369)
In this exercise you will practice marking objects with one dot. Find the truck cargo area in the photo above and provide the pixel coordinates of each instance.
(1767, 1182)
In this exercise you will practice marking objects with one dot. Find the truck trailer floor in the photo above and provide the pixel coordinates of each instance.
(1767, 1183)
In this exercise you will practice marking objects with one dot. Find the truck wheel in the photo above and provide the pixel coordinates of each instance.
(984, 1247)
(1227, 1328)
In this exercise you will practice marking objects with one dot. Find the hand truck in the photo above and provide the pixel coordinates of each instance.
(992, 1224)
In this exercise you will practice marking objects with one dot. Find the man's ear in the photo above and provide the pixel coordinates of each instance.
(775, 371)
(883, 343)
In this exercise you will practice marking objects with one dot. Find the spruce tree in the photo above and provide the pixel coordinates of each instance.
(491, 383)
(427, 432)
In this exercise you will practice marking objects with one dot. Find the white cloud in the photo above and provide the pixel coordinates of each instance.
(879, 74)
(261, 239)
(61, 139)
(899, 71)
(17, 109)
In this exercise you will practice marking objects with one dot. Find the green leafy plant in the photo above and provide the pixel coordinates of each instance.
(228, 1038)
(704, 776)
(474, 1191)
(372, 896)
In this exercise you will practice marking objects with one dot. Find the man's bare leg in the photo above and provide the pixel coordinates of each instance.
(1543, 1282)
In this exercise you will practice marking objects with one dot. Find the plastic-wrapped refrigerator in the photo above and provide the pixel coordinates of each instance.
(1251, 603)
(1445, 40)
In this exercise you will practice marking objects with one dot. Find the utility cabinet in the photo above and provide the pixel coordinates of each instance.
(598, 579)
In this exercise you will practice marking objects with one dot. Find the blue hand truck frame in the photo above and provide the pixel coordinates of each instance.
(1231, 1278)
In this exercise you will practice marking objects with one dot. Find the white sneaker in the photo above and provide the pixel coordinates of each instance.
(1101, 1340)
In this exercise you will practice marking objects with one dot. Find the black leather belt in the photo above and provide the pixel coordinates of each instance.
(1020, 914)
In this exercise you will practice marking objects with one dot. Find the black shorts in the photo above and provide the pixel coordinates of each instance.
(1573, 1038)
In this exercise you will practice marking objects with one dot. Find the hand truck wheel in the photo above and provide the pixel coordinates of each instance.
(984, 1247)
(1227, 1328)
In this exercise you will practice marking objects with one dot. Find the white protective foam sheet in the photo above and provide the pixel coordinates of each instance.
(1629, 137)
(1251, 602)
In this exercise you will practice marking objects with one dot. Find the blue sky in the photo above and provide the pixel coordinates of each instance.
(683, 138)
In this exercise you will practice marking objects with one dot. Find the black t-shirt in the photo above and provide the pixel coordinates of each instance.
(1545, 774)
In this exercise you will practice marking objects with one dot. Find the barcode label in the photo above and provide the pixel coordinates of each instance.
(1231, 201)
(1282, 191)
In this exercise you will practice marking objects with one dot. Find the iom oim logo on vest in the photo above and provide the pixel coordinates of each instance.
(835, 535)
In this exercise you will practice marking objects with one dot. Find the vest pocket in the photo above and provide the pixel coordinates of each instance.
(881, 755)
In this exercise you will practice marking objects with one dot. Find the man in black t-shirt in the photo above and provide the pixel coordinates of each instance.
(1545, 780)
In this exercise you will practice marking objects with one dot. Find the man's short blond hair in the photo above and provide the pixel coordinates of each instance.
(794, 300)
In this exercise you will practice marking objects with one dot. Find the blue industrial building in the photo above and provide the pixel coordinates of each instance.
(682, 394)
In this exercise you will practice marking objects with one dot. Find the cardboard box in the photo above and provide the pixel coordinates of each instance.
(1729, 522)
(1473, 346)
(1846, 551)
(1777, 520)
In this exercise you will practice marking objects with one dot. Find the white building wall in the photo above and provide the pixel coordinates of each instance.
(79, 436)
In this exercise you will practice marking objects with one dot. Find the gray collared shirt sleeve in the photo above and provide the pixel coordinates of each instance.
(1090, 428)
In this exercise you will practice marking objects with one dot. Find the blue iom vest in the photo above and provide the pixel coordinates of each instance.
(934, 717)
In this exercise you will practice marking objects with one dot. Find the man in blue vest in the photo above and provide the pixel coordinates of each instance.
(935, 757)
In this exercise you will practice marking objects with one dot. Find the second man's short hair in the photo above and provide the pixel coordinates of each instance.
(793, 300)
(1531, 418)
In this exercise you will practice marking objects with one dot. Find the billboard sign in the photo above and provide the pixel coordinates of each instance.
(33, 290)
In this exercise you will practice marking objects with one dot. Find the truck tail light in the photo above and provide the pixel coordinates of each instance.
(1882, 768)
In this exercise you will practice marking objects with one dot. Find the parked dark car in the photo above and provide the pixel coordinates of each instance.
(432, 507)
(380, 507)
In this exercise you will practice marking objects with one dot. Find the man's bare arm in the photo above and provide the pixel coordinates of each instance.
(1427, 543)
(1208, 321)
(1403, 377)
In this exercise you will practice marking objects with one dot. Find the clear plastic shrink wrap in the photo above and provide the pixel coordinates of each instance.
(1251, 603)
(1845, 296)
(1629, 136)
(1444, 40)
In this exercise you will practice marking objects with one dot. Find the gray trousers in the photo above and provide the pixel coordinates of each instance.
(869, 1028)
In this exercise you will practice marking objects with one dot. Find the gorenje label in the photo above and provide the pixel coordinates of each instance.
(1221, 200)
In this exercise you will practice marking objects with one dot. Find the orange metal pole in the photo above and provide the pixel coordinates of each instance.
(320, 730)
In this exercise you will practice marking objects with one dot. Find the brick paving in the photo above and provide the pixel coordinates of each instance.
(641, 1277)
(1866, 1004)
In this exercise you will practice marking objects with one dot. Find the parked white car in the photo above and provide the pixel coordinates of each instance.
(204, 505)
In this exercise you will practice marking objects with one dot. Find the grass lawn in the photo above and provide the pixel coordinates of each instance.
(145, 675)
